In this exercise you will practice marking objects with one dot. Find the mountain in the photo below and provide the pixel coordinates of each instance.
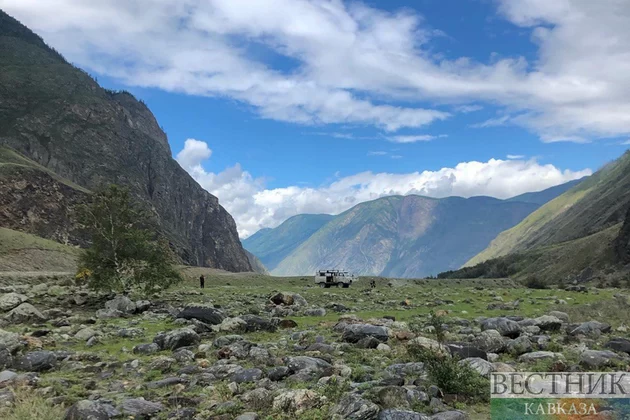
(271, 246)
(542, 197)
(62, 136)
(410, 236)
(595, 204)
(583, 234)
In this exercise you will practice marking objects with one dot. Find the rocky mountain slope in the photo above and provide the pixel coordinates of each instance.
(595, 204)
(397, 236)
(581, 235)
(271, 246)
(73, 136)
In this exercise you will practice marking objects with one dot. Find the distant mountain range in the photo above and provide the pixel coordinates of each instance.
(396, 236)
(580, 235)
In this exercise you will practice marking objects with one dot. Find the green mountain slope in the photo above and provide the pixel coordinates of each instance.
(271, 246)
(77, 134)
(595, 204)
(24, 252)
(542, 197)
(409, 236)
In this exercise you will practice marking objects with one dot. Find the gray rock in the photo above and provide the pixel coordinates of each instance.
(315, 312)
(248, 416)
(506, 327)
(619, 344)
(141, 409)
(599, 358)
(121, 303)
(166, 382)
(489, 341)
(37, 361)
(540, 355)
(483, 367)
(10, 341)
(226, 340)
(309, 364)
(206, 314)
(142, 306)
(175, 339)
(410, 370)
(90, 410)
(257, 323)
(11, 300)
(149, 348)
(563, 316)
(391, 414)
(85, 334)
(590, 329)
(450, 415)
(247, 375)
(353, 407)
(7, 376)
(278, 373)
(465, 351)
(352, 333)
(545, 323)
(24, 313)
(109, 314)
(519, 346)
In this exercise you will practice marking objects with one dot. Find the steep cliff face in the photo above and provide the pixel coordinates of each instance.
(60, 118)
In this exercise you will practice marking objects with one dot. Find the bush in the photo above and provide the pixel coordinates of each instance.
(535, 283)
(451, 377)
(125, 252)
(29, 405)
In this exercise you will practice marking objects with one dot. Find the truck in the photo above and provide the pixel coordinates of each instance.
(336, 278)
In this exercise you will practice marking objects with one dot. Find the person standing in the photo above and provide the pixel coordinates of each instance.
(202, 281)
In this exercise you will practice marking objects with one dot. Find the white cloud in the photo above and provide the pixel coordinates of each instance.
(626, 142)
(411, 139)
(493, 122)
(353, 64)
(193, 154)
(254, 206)
(377, 153)
(514, 157)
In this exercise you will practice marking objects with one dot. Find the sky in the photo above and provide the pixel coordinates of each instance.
(282, 107)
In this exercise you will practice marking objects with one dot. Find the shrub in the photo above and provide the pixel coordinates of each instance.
(30, 405)
(535, 283)
(451, 377)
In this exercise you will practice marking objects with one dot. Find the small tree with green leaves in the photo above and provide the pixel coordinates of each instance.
(124, 253)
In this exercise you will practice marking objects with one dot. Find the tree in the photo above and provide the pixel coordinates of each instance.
(124, 252)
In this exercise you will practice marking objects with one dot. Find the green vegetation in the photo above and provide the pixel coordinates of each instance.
(29, 405)
(23, 252)
(123, 254)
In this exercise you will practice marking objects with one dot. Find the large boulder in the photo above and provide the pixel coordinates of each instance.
(311, 365)
(483, 367)
(24, 313)
(352, 333)
(465, 351)
(594, 359)
(590, 329)
(506, 327)
(545, 323)
(37, 361)
(428, 344)
(257, 323)
(121, 303)
(353, 407)
(540, 355)
(393, 414)
(297, 401)
(11, 300)
(288, 299)
(490, 341)
(10, 341)
(206, 314)
(175, 339)
(139, 408)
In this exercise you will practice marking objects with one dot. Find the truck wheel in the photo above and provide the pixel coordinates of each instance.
(338, 285)
(322, 285)
(345, 286)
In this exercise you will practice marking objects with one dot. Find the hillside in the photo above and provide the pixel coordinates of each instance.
(62, 134)
(409, 236)
(22, 252)
(271, 246)
(595, 204)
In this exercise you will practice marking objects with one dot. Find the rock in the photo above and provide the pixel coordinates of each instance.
(85, 334)
(483, 367)
(506, 327)
(278, 373)
(599, 358)
(37, 361)
(391, 414)
(141, 409)
(121, 303)
(206, 314)
(226, 340)
(563, 316)
(109, 314)
(166, 382)
(519, 346)
(502, 367)
(619, 344)
(257, 323)
(411, 370)
(247, 375)
(465, 351)
(314, 365)
(7, 376)
(590, 329)
(545, 323)
(287, 323)
(6, 358)
(315, 312)
(368, 343)
(161, 363)
(352, 333)
(130, 332)
(297, 401)
(392, 397)
(231, 325)
(248, 416)
(429, 344)
(489, 341)
(353, 407)
(450, 415)
(142, 306)
(90, 410)
(175, 339)
(540, 355)
(382, 347)
(11, 300)
(24, 313)
(10, 341)
(146, 348)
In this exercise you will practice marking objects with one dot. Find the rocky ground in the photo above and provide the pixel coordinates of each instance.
(256, 347)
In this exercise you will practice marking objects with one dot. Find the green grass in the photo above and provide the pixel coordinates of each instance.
(24, 252)
(29, 405)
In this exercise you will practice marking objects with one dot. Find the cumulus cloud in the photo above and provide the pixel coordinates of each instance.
(354, 64)
(254, 206)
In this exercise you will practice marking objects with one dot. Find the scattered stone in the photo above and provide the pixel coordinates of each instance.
(599, 358)
(85, 334)
(140, 408)
(37, 361)
(247, 375)
(489, 341)
(483, 367)
(109, 314)
(505, 326)
(590, 329)
(465, 351)
(392, 414)
(352, 333)
(24, 313)
(315, 312)
(619, 344)
(146, 348)
(540, 355)
(206, 314)
(297, 401)
(11, 300)
(10, 341)
(122, 304)
(90, 410)
(175, 339)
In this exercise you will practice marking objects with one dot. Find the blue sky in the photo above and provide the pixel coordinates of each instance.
(281, 107)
